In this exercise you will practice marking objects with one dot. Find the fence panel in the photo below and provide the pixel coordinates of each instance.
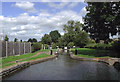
(21, 48)
(10, 48)
(27, 47)
(3, 49)
(14, 48)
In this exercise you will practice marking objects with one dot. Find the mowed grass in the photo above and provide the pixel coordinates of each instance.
(37, 57)
(14, 58)
(6, 65)
(25, 57)
(91, 53)
(87, 56)
(47, 50)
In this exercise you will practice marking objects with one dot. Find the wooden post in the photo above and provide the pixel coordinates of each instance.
(50, 52)
(6, 49)
(24, 47)
(75, 51)
(42, 46)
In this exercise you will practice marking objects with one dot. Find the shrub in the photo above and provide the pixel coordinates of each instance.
(90, 45)
(36, 47)
(71, 44)
(98, 46)
(102, 46)
(116, 46)
(45, 45)
(54, 46)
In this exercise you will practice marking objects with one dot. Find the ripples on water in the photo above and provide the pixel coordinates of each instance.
(65, 68)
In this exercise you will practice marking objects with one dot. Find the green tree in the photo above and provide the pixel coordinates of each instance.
(20, 40)
(61, 42)
(81, 39)
(74, 34)
(55, 35)
(102, 19)
(32, 40)
(6, 38)
(29, 40)
(15, 40)
(46, 39)
(71, 44)
(72, 26)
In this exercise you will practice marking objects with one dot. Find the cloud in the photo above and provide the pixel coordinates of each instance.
(62, 0)
(73, 4)
(58, 6)
(83, 11)
(27, 6)
(25, 26)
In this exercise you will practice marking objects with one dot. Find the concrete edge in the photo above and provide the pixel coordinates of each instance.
(108, 61)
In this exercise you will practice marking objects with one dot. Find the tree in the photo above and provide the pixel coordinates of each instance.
(32, 40)
(71, 44)
(74, 34)
(20, 40)
(55, 35)
(102, 19)
(15, 40)
(61, 42)
(46, 39)
(72, 26)
(81, 39)
(6, 38)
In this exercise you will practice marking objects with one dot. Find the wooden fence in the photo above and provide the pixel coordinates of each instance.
(15, 48)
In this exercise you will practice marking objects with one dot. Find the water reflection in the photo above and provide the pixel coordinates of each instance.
(65, 68)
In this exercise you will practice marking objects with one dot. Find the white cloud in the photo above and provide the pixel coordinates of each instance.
(21, 32)
(83, 11)
(27, 6)
(58, 6)
(25, 26)
(62, 0)
(73, 4)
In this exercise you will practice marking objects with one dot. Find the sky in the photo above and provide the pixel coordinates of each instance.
(24, 20)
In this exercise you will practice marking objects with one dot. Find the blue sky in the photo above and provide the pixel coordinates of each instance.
(9, 9)
(24, 20)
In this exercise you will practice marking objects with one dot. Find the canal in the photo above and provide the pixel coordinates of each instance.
(65, 68)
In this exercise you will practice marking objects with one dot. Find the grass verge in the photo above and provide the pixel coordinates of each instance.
(91, 53)
(87, 56)
(25, 57)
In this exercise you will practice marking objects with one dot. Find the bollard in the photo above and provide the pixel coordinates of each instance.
(75, 51)
(50, 52)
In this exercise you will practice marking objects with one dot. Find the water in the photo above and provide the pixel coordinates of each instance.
(65, 68)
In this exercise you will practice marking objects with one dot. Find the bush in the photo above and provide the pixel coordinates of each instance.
(98, 46)
(45, 45)
(116, 46)
(71, 44)
(102, 46)
(36, 47)
(92, 45)
(54, 46)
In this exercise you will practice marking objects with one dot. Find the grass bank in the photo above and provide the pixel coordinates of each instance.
(91, 53)
(9, 61)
